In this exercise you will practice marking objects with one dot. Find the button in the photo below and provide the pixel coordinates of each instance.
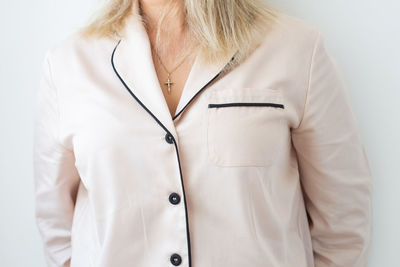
(174, 198)
(169, 138)
(175, 259)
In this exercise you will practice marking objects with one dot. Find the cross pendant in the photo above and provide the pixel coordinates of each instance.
(168, 84)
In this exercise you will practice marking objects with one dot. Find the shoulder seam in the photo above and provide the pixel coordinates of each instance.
(49, 66)
(317, 39)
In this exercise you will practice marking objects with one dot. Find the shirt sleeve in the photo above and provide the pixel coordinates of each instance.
(333, 168)
(55, 177)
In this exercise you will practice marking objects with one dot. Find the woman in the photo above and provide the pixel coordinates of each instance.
(198, 133)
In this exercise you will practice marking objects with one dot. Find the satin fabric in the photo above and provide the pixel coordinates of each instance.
(272, 173)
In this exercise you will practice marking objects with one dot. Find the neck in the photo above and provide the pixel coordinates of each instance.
(152, 10)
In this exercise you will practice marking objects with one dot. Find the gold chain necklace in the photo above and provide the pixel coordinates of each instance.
(168, 83)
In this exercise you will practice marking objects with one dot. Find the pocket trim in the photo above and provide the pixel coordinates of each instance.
(246, 104)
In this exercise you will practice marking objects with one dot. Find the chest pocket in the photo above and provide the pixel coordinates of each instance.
(245, 126)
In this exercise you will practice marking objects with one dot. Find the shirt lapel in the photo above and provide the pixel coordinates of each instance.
(133, 64)
(201, 76)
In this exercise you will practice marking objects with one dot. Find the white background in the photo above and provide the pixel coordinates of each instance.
(362, 36)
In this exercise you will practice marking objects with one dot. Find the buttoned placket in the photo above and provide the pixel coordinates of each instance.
(177, 199)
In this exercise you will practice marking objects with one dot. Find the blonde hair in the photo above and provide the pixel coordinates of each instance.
(219, 26)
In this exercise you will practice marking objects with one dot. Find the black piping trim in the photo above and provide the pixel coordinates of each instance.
(176, 150)
(245, 104)
(216, 76)
(173, 139)
(132, 94)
